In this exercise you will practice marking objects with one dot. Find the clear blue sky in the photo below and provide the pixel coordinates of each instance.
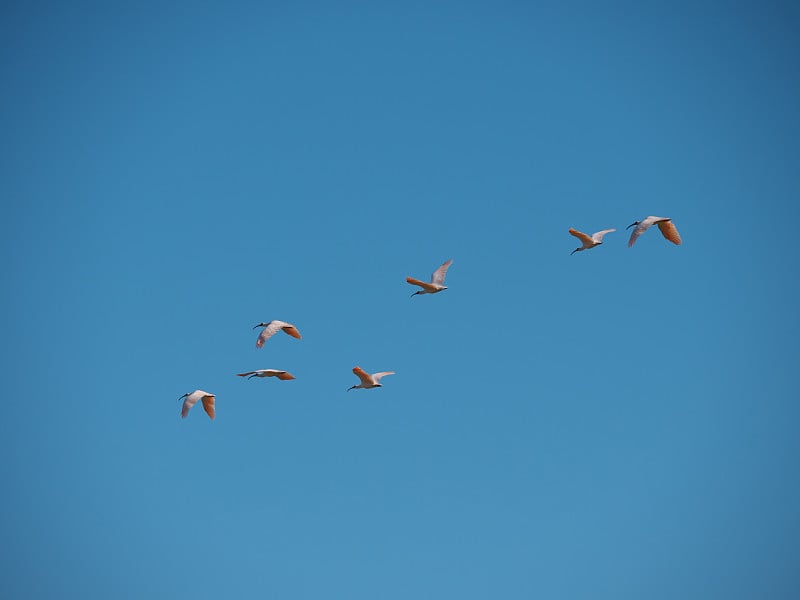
(617, 424)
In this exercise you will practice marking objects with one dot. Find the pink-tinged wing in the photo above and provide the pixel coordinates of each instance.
(598, 237)
(366, 378)
(585, 239)
(378, 376)
(291, 330)
(438, 274)
(423, 284)
(638, 230)
(189, 402)
(669, 231)
(284, 375)
(266, 333)
(208, 405)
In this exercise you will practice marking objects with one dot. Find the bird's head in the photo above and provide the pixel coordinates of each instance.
(632, 224)
(260, 325)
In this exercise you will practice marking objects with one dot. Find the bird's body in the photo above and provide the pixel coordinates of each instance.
(436, 284)
(665, 225)
(283, 375)
(369, 381)
(588, 242)
(273, 327)
(189, 400)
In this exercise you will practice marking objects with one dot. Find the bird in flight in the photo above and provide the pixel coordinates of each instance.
(436, 283)
(588, 242)
(665, 224)
(191, 400)
(284, 375)
(272, 328)
(367, 380)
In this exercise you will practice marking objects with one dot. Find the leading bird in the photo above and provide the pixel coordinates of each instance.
(665, 225)
(274, 327)
(588, 242)
(191, 400)
(369, 381)
(436, 283)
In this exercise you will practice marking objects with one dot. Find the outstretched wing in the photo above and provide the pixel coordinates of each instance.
(438, 274)
(271, 329)
(638, 230)
(284, 375)
(291, 330)
(669, 231)
(423, 284)
(366, 378)
(188, 403)
(378, 376)
(208, 405)
(585, 239)
(598, 237)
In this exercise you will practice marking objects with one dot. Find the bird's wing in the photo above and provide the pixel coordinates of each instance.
(208, 405)
(669, 231)
(291, 330)
(366, 378)
(188, 403)
(638, 230)
(598, 237)
(585, 239)
(276, 373)
(246, 374)
(423, 284)
(438, 274)
(271, 329)
(378, 376)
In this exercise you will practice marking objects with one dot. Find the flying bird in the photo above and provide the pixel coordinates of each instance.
(367, 380)
(665, 224)
(588, 242)
(436, 283)
(191, 400)
(272, 328)
(284, 375)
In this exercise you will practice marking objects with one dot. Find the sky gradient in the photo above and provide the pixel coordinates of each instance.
(621, 423)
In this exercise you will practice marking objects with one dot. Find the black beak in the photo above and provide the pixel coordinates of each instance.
(574, 251)
(632, 224)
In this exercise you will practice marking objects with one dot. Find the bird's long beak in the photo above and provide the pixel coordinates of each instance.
(251, 376)
(352, 388)
(182, 397)
(259, 325)
(574, 251)
(632, 224)
(415, 293)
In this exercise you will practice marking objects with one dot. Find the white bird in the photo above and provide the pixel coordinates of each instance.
(588, 242)
(191, 400)
(367, 380)
(437, 281)
(272, 328)
(665, 224)
(283, 375)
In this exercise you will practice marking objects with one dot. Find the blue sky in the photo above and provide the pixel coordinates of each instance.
(620, 423)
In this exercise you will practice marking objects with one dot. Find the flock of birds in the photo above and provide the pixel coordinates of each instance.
(435, 285)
